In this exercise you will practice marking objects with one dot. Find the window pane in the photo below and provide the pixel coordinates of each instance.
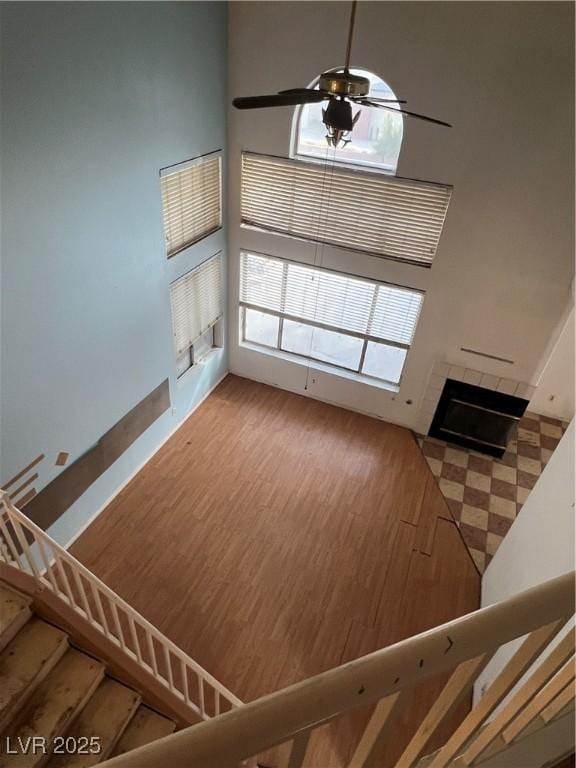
(296, 337)
(203, 345)
(261, 279)
(196, 302)
(396, 314)
(191, 202)
(384, 362)
(341, 301)
(319, 344)
(376, 139)
(261, 328)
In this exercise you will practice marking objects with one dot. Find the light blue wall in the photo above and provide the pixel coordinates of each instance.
(96, 98)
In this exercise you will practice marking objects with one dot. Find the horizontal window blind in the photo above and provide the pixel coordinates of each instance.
(332, 299)
(382, 215)
(196, 301)
(192, 202)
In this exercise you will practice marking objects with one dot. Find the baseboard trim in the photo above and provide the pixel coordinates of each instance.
(141, 466)
(242, 375)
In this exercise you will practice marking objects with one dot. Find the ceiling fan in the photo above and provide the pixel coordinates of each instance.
(340, 90)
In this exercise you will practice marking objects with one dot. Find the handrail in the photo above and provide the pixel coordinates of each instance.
(288, 713)
(25, 546)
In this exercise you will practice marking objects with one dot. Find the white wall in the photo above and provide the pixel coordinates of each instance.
(540, 544)
(500, 281)
(555, 393)
(96, 98)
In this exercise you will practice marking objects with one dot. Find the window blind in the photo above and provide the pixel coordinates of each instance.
(382, 215)
(334, 300)
(196, 301)
(191, 202)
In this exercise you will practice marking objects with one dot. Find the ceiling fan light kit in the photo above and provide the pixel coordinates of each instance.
(341, 90)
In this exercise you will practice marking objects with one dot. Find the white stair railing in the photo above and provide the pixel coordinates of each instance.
(27, 548)
(463, 646)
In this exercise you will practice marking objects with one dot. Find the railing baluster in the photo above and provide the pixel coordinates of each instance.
(216, 702)
(117, 625)
(366, 753)
(4, 551)
(201, 702)
(67, 591)
(152, 653)
(184, 673)
(457, 686)
(517, 727)
(563, 702)
(21, 536)
(47, 567)
(100, 610)
(298, 750)
(83, 599)
(168, 662)
(134, 638)
(522, 660)
(537, 680)
(10, 543)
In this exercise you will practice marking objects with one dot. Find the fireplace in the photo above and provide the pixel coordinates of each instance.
(476, 418)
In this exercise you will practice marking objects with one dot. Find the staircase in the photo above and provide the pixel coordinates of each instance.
(524, 719)
(55, 695)
(77, 662)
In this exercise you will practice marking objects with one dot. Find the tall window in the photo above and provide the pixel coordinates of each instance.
(382, 215)
(191, 201)
(347, 322)
(376, 139)
(197, 304)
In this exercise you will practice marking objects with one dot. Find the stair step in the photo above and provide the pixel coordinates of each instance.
(14, 613)
(52, 706)
(145, 726)
(25, 662)
(105, 718)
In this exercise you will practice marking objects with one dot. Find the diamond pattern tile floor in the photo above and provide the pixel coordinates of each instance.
(485, 494)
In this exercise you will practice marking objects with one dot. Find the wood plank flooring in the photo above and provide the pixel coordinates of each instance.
(274, 537)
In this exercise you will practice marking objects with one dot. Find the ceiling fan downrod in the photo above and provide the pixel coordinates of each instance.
(350, 36)
(343, 83)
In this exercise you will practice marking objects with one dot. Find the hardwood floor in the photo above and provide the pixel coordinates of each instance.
(274, 537)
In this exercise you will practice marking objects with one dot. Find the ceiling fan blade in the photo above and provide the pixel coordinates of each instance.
(379, 101)
(277, 100)
(368, 103)
(306, 91)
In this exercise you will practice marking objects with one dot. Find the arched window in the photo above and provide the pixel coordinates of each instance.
(375, 141)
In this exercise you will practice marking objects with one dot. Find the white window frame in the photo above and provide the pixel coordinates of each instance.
(402, 219)
(213, 328)
(332, 153)
(184, 166)
(243, 306)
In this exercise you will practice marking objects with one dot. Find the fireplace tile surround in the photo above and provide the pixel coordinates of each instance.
(442, 371)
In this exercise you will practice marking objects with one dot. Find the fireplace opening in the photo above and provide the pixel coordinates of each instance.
(477, 418)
